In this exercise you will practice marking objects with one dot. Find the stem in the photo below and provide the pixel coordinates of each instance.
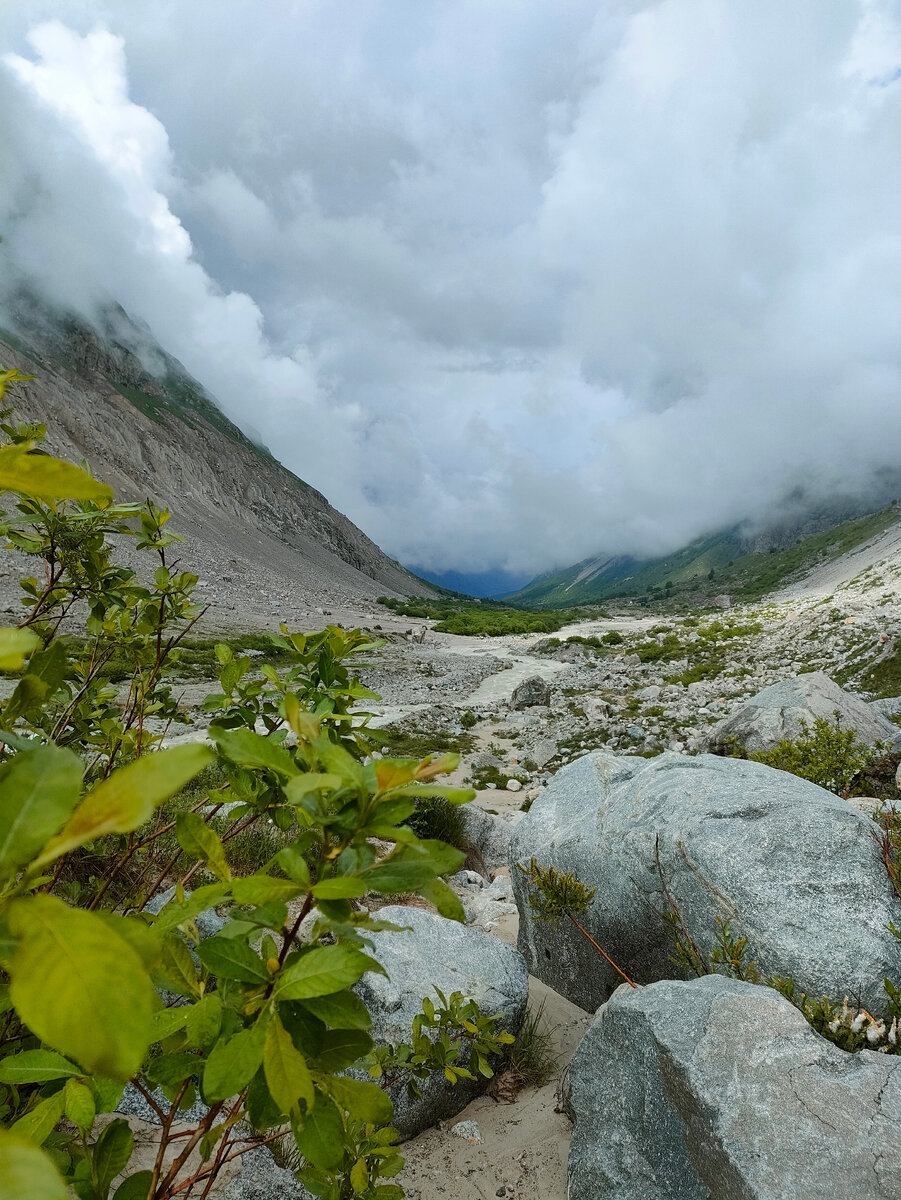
(582, 929)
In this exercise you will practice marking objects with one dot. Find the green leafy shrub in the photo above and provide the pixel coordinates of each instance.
(435, 817)
(824, 753)
(96, 820)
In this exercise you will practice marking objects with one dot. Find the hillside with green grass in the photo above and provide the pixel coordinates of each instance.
(719, 564)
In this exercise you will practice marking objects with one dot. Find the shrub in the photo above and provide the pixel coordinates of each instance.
(825, 754)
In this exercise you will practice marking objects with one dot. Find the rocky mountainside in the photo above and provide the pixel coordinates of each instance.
(112, 396)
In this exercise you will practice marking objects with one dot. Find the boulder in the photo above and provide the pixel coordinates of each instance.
(531, 692)
(777, 713)
(719, 1090)
(792, 866)
(489, 834)
(435, 952)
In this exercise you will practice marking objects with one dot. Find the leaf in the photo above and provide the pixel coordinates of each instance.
(323, 970)
(341, 1047)
(204, 1021)
(111, 1154)
(26, 1173)
(444, 898)
(167, 1021)
(320, 1138)
(142, 937)
(393, 878)
(301, 785)
(450, 794)
(340, 1010)
(287, 1074)
(431, 766)
(196, 838)
(177, 968)
(337, 761)
(390, 774)
(230, 958)
(46, 478)
(37, 1125)
(359, 1176)
(177, 912)
(80, 987)
(79, 1104)
(39, 790)
(169, 1070)
(15, 646)
(135, 1187)
(340, 887)
(233, 1062)
(365, 1101)
(126, 799)
(293, 863)
(261, 889)
(442, 858)
(36, 1066)
(245, 748)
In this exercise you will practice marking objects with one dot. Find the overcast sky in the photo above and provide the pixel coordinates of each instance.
(511, 282)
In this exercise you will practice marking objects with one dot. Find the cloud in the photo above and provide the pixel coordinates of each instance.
(511, 283)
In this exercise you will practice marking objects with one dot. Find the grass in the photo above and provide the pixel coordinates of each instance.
(417, 743)
(883, 678)
(532, 1055)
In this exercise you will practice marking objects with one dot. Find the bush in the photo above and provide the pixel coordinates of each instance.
(96, 820)
(825, 754)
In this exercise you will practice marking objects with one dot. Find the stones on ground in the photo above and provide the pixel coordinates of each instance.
(435, 952)
(531, 692)
(777, 713)
(792, 866)
(513, 785)
(716, 1089)
(469, 1131)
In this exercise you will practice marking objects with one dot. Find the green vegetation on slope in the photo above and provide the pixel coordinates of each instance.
(705, 568)
(483, 618)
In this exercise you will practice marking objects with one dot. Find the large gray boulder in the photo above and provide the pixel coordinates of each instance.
(794, 868)
(777, 712)
(438, 953)
(719, 1090)
(531, 692)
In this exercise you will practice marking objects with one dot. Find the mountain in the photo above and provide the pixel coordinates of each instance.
(735, 561)
(111, 395)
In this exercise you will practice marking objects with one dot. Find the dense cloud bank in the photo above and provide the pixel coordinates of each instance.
(510, 283)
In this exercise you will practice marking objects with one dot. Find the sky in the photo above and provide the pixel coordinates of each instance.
(512, 283)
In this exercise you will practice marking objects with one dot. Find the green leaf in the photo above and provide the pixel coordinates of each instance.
(323, 970)
(444, 898)
(196, 838)
(340, 1010)
(393, 878)
(337, 761)
(111, 1154)
(80, 987)
(441, 857)
(79, 1104)
(169, 1070)
(204, 1021)
(177, 968)
(341, 887)
(320, 1138)
(126, 799)
(261, 889)
(359, 1176)
(301, 785)
(38, 791)
(229, 958)
(135, 1187)
(142, 937)
(36, 1066)
(177, 912)
(293, 863)
(245, 748)
(167, 1021)
(37, 1125)
(287, 1074)
(15, 646)
(365, 1101)
(233, 1062)
(26, 1173)
(45, 478)
(341, 1047)
(451, 795)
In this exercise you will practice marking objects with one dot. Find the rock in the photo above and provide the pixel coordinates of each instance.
(530, 692)
(469, 1131)
(542, 751)
(722, 1090)
(650, 694)
(513, 785)
(722, 601)
(438, 953)
(595, 709)
(490, 834)
(636, 731)
(777, 713)
(792, 866)
(208, 923)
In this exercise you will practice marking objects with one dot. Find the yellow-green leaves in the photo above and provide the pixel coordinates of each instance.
(233, 1063)
(200, 841)
(15, 645)
(287, 1074)
(26, 1173)
(47, 478)
(323, 970)
(38, 790)
(128, 797)
(80, 987)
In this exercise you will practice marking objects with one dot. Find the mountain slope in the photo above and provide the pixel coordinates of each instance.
(112, 396)
(746, 567)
